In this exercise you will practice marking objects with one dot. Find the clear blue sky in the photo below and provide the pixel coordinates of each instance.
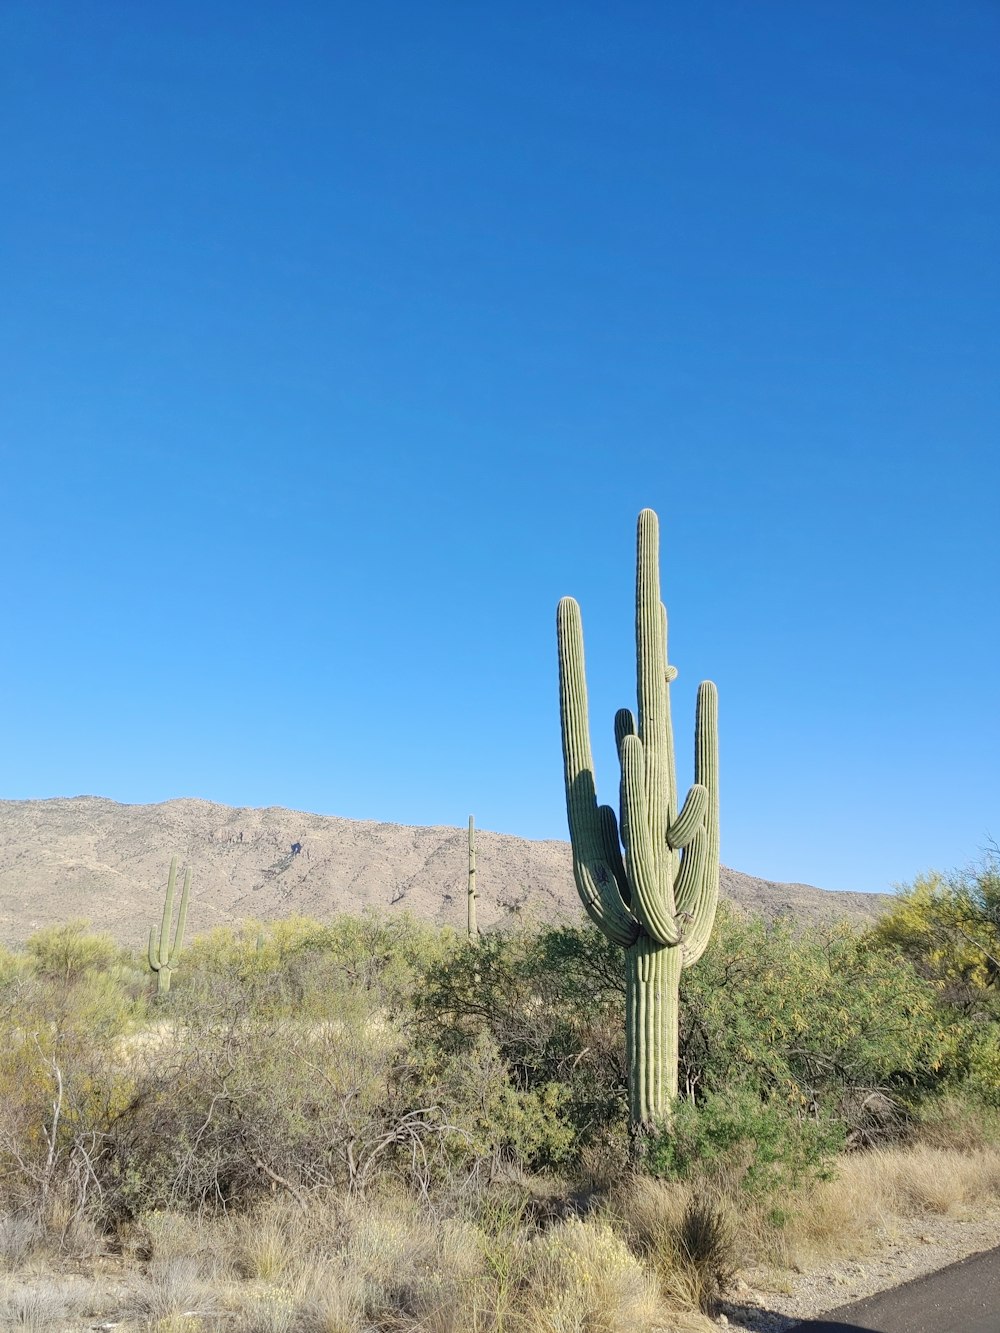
(340, 340)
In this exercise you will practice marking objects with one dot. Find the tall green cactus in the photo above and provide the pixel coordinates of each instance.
(163, 957)
(658, 898)
(473, 895)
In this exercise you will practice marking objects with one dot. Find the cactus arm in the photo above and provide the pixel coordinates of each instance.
(690, 879)
(690, 819)
(706, 771)
(652, 905)
(163, 951)
(178, 944)
(706, 760)
(624, 726)
(154, 949)
(593, 869)
(613, 851)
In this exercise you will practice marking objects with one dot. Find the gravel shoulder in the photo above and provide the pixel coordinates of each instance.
(775, 1300)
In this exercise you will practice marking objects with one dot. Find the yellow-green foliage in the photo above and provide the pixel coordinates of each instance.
(315, 970)
(828, 998)
(66, 952)
(949, 927)
(984, 1065)
(64, 1011)
(12, 966)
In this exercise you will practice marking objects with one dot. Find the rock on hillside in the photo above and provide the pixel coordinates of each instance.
(89, 857)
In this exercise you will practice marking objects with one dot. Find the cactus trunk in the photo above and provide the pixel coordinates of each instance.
(164, 956)
(473, 925)
(652, 983)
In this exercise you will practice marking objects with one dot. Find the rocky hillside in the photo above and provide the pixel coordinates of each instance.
(89, 857)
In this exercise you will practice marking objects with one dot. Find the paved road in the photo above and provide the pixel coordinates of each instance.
(962, 1298)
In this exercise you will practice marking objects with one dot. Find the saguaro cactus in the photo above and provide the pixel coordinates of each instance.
(163, 956)
(657, 898)
(473, 927)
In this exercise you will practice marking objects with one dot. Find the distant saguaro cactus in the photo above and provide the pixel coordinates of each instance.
(658, 899)
(163, 956)
(473, 926)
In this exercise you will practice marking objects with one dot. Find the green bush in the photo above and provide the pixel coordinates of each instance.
(822, 1021)
(741, 1143)
(552, 1003)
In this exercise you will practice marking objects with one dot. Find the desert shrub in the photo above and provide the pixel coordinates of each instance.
(797, 1042)
(303, 968)
(63, 1016)
(66, 952)
(949, 928)
(983, 1061)
(739, 1142)
(552, 1002)
(13, 967)
(581, 1274)
(231, 1105)
(822, 1023)
(300, 1057)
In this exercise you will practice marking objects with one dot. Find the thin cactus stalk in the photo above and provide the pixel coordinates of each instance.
(648, 877)
(164, 956)
(473, 895)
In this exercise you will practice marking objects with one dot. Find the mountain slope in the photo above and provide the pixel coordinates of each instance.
(88, 857)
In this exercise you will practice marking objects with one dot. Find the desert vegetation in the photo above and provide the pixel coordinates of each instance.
(369, 1125)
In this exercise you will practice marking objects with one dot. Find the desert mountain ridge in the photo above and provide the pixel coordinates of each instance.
(94, 858)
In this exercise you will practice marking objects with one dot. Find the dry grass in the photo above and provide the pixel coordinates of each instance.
(19, 1238)
(923, 1179)
(264, 1246)
(687, 1236)
(171, 1289)
(580, 1276)
(850, 1214)
(389, 1265)
(653, 1256)
(39, 1306)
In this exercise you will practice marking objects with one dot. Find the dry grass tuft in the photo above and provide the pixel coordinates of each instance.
(689, 1239)
(329, 1299)
(171, 1289)
(581, 1276)
(38, 1307)
(265, 1245)
(922, 1179)
(707, 1251)
(19, 1238)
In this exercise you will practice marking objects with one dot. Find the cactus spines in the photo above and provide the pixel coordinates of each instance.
(649, 878)
(163, 956)
(473, 926)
